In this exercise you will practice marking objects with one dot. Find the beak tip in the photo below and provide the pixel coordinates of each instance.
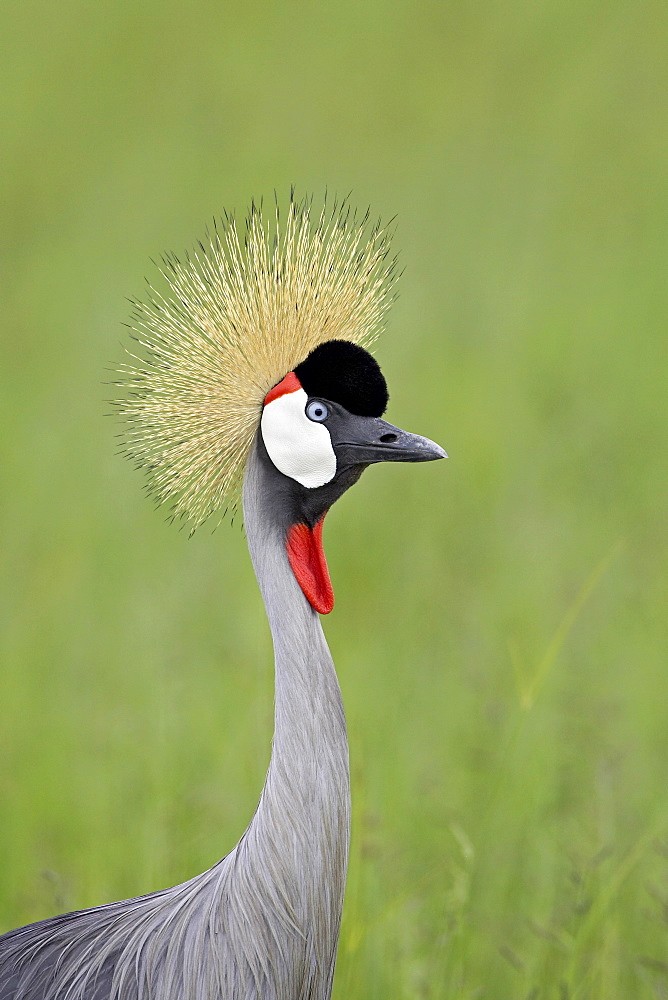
(435, 450)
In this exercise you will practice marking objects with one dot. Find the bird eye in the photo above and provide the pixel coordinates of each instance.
(315, 410)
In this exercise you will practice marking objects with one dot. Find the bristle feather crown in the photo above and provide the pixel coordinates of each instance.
(236, 316)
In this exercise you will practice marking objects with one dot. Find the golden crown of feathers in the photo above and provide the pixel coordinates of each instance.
(235, 317)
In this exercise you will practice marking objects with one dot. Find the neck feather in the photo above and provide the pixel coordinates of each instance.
(301, 828)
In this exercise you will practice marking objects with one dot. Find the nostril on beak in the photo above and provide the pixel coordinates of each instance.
(388, 438)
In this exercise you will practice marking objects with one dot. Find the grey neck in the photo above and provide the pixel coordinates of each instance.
(301, 828)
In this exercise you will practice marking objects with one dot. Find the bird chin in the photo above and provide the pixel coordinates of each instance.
(307, 559)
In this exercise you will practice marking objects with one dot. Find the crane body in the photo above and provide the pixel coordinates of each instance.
(263, 923)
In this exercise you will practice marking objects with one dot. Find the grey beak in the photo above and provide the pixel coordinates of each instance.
(365, 440)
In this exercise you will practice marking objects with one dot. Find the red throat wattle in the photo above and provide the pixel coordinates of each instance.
(307, 559)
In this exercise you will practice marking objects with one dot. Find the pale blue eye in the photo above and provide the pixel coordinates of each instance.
(315, 410)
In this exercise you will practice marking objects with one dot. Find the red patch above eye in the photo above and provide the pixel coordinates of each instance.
(307, 559)
(288, 384)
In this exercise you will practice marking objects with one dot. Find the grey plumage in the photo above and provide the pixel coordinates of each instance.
(263, 923)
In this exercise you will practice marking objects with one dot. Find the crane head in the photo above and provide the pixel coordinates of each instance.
(291, 303)
(321, 427)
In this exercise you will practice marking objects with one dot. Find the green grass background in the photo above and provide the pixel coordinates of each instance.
(500, 629)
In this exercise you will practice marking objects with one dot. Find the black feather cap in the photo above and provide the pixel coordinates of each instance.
(347, 374)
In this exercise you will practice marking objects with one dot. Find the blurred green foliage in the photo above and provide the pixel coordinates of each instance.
(500, 630)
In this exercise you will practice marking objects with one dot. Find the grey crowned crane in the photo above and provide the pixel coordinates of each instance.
(251, 376)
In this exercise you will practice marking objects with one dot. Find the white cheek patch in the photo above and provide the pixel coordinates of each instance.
(299, 448)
